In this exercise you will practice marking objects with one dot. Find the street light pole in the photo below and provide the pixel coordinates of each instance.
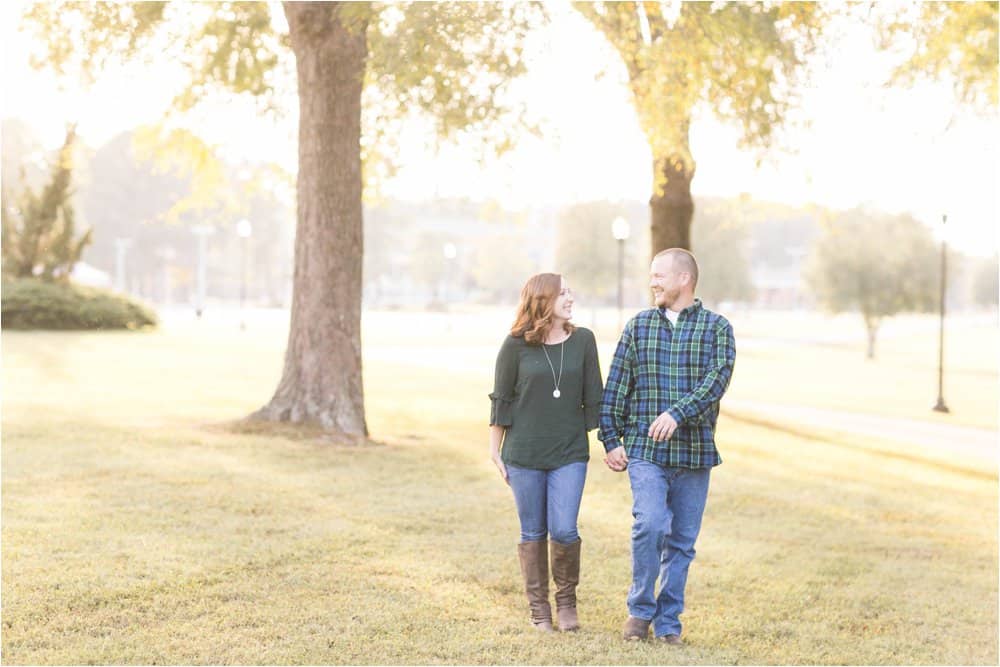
(621, 282)
(202, 232)
(620, 230)
(167, 254)
(121, 247)
(450, 252)
(940, 406)
(243, 230)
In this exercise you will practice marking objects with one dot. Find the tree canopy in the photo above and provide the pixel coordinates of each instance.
(743, 59)
(451, 61)
(874, 264)
(954, 41)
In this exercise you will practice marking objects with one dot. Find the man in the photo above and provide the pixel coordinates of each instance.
(658, 414)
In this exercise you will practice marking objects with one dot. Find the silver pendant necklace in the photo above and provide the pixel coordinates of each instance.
(555, 394)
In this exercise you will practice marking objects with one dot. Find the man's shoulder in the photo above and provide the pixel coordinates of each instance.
(644, 316)
(713, 319)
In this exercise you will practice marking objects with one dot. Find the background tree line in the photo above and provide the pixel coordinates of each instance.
(123, 191)
(744, 60)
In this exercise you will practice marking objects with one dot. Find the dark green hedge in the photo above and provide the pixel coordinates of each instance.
(34, 304)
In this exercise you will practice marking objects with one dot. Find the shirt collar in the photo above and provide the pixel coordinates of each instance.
(690, 310)
(694, 307)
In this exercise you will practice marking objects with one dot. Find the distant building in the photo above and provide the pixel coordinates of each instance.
(85, 274)
(781, 286)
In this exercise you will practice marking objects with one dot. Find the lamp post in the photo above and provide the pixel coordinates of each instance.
(940, 406)
(202, 232)
(620, 230)
(243, 230)
(121, 247)
(167, 254)
(450, 252)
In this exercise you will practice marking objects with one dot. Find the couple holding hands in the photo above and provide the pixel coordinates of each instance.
(656, 414)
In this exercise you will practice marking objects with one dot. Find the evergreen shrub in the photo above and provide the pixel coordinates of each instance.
(29, 303)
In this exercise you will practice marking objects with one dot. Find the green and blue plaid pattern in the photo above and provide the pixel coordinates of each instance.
(682, 369)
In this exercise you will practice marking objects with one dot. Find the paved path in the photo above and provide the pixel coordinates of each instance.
(959, 441)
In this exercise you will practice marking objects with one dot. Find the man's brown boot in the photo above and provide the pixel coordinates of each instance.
(566, 574)
(636, 629)
(534, 557)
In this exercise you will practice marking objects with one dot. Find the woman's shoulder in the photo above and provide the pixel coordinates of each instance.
(585, 334)
(512, 342)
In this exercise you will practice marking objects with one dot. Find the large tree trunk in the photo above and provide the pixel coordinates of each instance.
(671, 206)
(321, 382)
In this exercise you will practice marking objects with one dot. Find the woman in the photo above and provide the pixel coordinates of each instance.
(546, 396)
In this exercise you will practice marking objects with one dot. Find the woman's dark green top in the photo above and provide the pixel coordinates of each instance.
(544, 432)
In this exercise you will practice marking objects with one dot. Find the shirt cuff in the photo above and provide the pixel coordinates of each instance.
(501, 411)
(612, 443)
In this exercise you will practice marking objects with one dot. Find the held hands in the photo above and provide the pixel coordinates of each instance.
(616, 459)
(662, 427)
(501, 468)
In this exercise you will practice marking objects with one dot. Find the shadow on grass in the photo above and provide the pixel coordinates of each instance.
(302, 432)
(819, 436)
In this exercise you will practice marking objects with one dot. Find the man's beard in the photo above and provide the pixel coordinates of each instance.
(669, 297)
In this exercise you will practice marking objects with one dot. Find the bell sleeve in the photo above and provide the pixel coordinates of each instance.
(504, 382)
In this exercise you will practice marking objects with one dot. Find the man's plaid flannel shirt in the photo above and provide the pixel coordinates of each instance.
(682, 369)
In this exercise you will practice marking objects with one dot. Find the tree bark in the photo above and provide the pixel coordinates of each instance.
(321, 382)
(671, 206)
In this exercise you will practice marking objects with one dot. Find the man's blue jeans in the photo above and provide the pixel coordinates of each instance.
(548, 501)
(667, 504)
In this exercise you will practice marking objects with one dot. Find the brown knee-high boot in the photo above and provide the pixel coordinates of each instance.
(534, 559)
(566, 574)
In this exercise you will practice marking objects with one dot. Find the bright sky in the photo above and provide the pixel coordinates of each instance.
(893, 149)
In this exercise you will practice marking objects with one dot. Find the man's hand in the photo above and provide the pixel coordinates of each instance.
(616, 459)
(662, 427)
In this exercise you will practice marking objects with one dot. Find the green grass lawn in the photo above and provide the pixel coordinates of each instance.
(804, 358)
(900, 382)
(139, 526)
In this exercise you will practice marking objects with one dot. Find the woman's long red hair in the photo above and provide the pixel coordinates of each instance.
(534, 312)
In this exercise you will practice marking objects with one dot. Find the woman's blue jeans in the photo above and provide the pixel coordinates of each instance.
(548, 501)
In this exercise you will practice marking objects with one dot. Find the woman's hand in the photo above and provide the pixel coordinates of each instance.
(616, 459)
(501, 468)
(497, 434)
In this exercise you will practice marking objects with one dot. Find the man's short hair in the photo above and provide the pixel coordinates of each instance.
(683, 261)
